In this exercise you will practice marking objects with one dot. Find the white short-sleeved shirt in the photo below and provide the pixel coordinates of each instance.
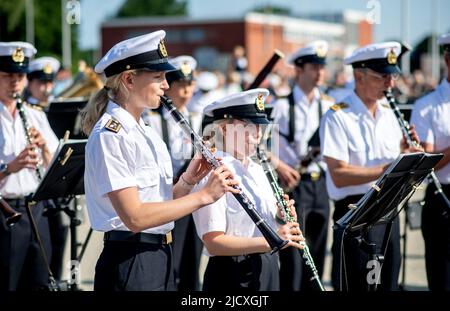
(135, 156)
(180, 146)
(227, 215)
(306, 124)
(352, 135)
(431, 117)
(12, 143)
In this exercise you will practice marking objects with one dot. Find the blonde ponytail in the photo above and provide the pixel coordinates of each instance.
(96, 107)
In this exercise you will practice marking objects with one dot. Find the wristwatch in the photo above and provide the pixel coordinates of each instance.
(4, 169)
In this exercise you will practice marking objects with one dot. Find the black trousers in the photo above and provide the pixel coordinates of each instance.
(313, 211)
(59, 231)
(187, 251)
(22, 266)
(356, 259)
(134, 266)
(255, 272)
(436, 233)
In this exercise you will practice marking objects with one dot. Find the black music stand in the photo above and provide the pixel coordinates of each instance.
(64, 115)
(380, 205)
(64, 180)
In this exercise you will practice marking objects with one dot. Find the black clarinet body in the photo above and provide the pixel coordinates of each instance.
(26, 127)
(275, 242)
(279, 193)
(404, 126)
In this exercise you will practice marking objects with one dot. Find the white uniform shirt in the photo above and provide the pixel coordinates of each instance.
(352, 135)
(431, 117)
(133, 157)
(306, 123)
(227, 215)
(180, 146)
(13, 141)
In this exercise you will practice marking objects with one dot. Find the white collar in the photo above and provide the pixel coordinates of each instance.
(123, 117)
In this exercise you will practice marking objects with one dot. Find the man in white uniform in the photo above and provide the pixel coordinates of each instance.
(298, 118)
(21, 263)
(360, 137)
(431, 117)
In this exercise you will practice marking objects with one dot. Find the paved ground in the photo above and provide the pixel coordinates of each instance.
(415, 277)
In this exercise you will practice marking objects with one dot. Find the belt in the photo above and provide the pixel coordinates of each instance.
(313, 176)
(16, 202)
(142, 237)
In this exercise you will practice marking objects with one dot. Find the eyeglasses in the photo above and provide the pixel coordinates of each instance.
(385, 76)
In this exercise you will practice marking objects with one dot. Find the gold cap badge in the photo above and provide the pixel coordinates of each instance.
(260, 103)
(391, 57)
(162, 49)
(186, 69)
(18, 55)
(321, 51)
(47, 69)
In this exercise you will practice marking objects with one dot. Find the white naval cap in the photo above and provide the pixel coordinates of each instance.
(185, 66)
(43, 68)
(314, 52)
(207, 81)
(445, 41)
(15, 56)
(247, 105)
(147, 51)
(380, 57)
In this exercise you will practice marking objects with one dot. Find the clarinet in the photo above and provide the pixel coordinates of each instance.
(404, 126)
(279, 193)
(275, 242)
(26, 127)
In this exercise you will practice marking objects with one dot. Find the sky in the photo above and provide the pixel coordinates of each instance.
(421, 19)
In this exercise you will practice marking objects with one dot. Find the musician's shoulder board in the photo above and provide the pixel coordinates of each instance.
(339, 106)
(326, 97)
(386, 106)
(153, 113)
(113, 126)
(35, 107)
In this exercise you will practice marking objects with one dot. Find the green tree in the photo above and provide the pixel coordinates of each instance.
(47, 26)
(133, 8)
(270, 9)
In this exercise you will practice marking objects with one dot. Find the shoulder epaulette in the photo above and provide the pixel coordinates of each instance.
(35, 107)
(339, 106)
(386, 106)
(326, 97)
(153, 113)
(113, 126)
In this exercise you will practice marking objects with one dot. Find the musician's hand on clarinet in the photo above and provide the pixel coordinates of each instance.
(417, 147)
(198, 168)
(291, 207)
(292, 233)
(37, 139)
(27, 158)
(219, 182)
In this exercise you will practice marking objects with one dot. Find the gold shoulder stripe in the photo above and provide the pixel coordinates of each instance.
(386, 106)
(35, 107)
(326, 97)
(113, 126)
(339, 106)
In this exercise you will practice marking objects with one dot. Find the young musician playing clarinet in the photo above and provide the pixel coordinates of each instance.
(128, 175)
(21, 264)
(239, 256)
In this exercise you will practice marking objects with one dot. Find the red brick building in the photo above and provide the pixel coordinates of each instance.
(211, 41)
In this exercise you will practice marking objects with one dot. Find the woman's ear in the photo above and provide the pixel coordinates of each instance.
(128, 80)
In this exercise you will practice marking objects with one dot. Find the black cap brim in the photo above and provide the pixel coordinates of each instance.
(312, 59)
(390, 69)
(259, 121)
(8, 65)
(159, 67)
